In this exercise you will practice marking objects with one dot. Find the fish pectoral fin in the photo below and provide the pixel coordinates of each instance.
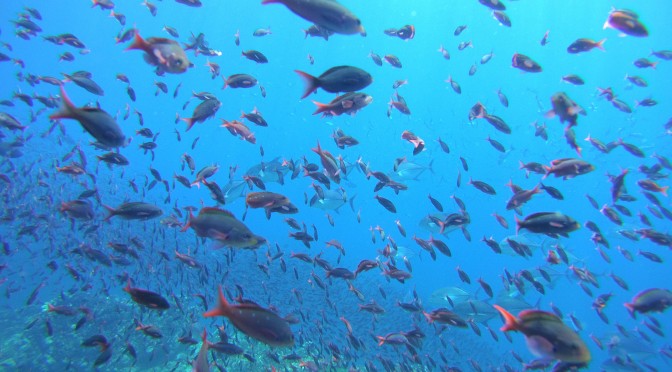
(217, 235)
(555, 224)
(160, 58)
(540, 346)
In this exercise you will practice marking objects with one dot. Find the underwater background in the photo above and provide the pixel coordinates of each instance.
(44, 260)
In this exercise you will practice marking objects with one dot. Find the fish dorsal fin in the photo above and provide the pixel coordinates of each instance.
(215, 211)
(159, 40)
(538, 315)
(538, 214)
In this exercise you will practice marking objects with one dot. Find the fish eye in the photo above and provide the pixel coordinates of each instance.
(178, 62)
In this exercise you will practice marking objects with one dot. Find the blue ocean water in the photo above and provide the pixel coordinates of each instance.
(42, 247)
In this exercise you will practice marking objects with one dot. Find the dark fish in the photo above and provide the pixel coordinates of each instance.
(585, 45)
(134, 211)
(337, 79)
(387, 204)
(255, 321)
(146, 298)
(86, 83)
(627, 22)
(568, 168)
(328, 14)
(94, 120)
(239, 81)
(525, 63)
(573, 79)
(193, 4)
(650, 300)
(483, 187)
(548, 223)
(256, 56)
(205, 110)
(547, 336)
(502, 18)
(565, 108)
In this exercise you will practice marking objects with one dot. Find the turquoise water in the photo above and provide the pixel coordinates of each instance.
(36, 189)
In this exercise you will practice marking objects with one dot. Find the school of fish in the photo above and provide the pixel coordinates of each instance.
(125, 228)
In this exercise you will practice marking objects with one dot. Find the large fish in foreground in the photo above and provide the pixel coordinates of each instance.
(255, 321)
(547, 337)
(328, 14)
(97, 122)
(167, 55)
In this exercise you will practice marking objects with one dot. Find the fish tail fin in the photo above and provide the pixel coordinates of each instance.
(548, 171)
(381, 340)
(264, 2)
(312, 83)
(631, 309)
(226, 83)
(112, 212)
(663, 190)
(127, 288)
(518, 224)
(222, 306)
(50, 308)
(190, 122)
(188, 224)
(428, 317)
(321, 107)
(600, 44)
(430, 166)
(204, 336)
(139, 43)
(442, 225)
(511, 323)
(67, 109)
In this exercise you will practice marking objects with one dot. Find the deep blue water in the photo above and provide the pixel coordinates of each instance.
(36, 190)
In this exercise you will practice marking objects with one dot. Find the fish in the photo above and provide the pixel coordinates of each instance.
(95, 121)
(584, 45)
(201, 364)
(565, 108)
(134, 211)
(348, 103)
(336, 80)
(255, 321)
(167, 55)
(547, 336)
(223, 227)
(239, 81)
(205, 110)
(255, 55)
(78, 209)
(568, 168)
(525, 63)
(329, 14)
(627, 22)
(650, 300)
(548, 223)
(146, 298)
